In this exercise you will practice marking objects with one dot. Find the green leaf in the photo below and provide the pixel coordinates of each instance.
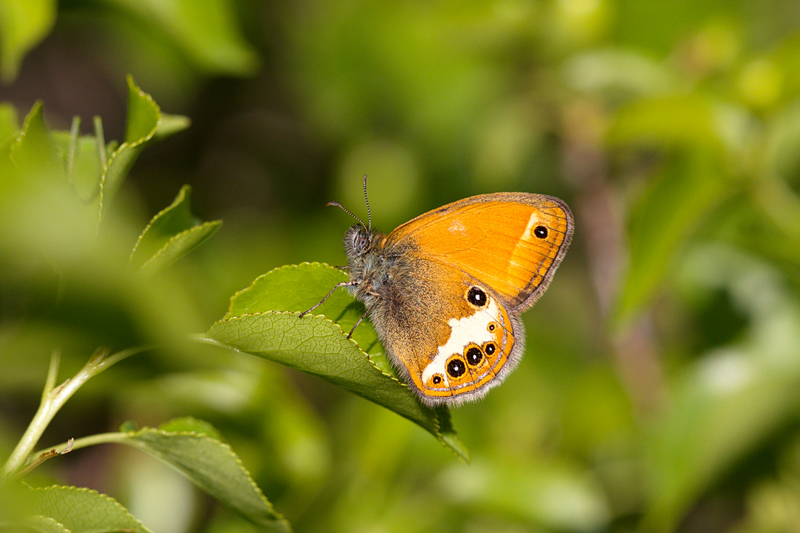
(143, 115)
(9, 123)
(300, 287)
(735, 397)
(144, 125)
(39, 209)
(188, 424)
(170, 125)
(81, 510)
(35, 152)
(43, 524)
(669, 121)
(171, 234)
(84, 167)
(23, 23)
(662, 224)
(212, 466)
(205, 30)
(552, 493)
(263, 320)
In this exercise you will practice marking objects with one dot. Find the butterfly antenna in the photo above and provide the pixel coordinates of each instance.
(343, 208)
(366, 199)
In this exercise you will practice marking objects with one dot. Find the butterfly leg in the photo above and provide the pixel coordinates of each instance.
(360, 320)
(342, 284)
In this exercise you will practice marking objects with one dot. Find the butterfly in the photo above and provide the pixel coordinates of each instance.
(445, 290)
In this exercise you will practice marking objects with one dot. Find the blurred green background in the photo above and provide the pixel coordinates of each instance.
(661, 386)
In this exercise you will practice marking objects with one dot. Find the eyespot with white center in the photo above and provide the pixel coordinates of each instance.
(477, 297)
(474, 355)
(456, 367)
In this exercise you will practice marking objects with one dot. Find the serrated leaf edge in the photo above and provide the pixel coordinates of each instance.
(193, 229)
(183, 193)
(137, 142)
(47, 520)
(85, 489)
(321, 317)
(225, 445)
(36, 108)
(436, 418)
(269, 272)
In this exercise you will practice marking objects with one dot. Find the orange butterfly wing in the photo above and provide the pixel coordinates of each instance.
(495, 238)
(506, 244)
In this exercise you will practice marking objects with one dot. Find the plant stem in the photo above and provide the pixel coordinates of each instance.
(91, 440)
(53, 398)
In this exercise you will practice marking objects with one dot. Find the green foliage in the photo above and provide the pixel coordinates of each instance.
(213, 467)
(23, 23)
(257, 323)
(198, 455)
(171, 234)
(659, 389)
(76, 509)
(205, 31)
(62, 182)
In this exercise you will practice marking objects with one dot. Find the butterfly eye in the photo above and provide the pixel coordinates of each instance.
(476, 297)
(360, 242)
(492, 326)
(489, 348)
(437, 379)
(540, 232)
(456, 367)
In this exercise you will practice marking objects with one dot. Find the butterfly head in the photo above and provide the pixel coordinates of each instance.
(358, 241)
(361, 242)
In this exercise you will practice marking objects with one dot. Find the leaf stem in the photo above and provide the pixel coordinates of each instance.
(83, 442)
(53, 398)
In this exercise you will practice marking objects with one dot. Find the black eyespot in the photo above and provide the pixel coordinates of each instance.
(541, 232)
(476, 297)
(490, 348)
(456, 367)
(437, 379)
(474, 355)
(492, 326)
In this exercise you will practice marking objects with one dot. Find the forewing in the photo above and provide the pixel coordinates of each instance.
(510, 242)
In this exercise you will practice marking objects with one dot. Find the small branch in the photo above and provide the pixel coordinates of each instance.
(85, 442)
(53, 398)
(44, 456)
(52, 373)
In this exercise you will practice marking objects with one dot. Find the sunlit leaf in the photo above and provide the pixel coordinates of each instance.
(84, 167)
(144, 123)
(735, 397)
(171, 234)
(213, 467)
(556, 495)
(263, 320)
(23, 23)
(170, 125)
(9, 122)
(81, 511)
(35, 152)
(205, 30)
(667, 121)
(662, 225)
(188, 424)
(43, 524)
